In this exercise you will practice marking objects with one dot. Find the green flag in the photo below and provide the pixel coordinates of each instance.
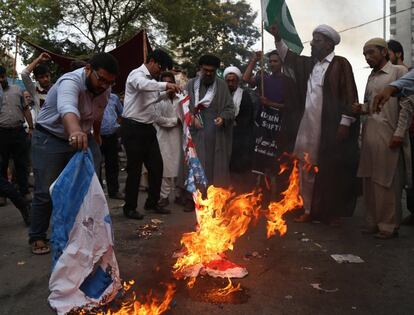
(277, 11)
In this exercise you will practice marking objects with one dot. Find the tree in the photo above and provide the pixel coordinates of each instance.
(32, 18)
(201, 26)
(106, 23)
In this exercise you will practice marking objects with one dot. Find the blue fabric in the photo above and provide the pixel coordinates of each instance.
(113, 110)
(70, 95)
(196, 175)
(67, 197)
(96, 283)
(405, 84)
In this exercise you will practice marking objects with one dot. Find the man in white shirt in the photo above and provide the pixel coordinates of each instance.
(142, 92)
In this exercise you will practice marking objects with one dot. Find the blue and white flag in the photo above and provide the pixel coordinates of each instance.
(84, 268)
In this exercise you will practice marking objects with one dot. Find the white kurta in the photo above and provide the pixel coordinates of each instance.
(309, 133)
(169, 134)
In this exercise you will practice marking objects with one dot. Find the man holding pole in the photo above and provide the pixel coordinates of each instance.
(328, 131)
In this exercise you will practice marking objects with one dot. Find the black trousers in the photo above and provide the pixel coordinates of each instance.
(109, 150)
(141, 146)
(14, 144)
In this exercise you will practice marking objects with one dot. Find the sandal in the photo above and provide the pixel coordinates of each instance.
(40, 247)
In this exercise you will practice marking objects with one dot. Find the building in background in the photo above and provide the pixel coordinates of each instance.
(402, 27)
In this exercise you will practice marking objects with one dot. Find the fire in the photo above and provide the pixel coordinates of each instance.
(308, 166)
(191, 282)
(228, 289)
(291, 200)
(152, 306)
(223, 218)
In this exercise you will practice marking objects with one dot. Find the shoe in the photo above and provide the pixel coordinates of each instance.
(135, 215)
(118, 195)
(163, 202)
(25, 212)
(306, 217)
(408, 220)
(157, 209)
(382, 235)
(3, 201)
(369, 230)
(40, 247)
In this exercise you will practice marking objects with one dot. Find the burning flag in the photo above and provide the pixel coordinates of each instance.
(223, 218)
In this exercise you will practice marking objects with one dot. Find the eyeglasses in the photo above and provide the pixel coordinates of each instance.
(103, 80)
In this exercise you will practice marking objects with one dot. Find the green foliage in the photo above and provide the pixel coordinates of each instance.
(224, 28)
(189, 28)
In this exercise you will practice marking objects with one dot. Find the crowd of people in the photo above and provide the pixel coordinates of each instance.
(243, 127)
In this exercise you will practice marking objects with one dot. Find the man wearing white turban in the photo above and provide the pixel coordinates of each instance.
(327, 135)
(242, 150)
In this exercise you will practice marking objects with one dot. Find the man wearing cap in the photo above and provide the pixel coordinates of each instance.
(241, 156)
(213, 110)
(328, 132)
(385, 161)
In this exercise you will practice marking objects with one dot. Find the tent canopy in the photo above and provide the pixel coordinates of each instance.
(130, 55)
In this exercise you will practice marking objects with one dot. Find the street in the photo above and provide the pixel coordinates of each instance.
(294, 274)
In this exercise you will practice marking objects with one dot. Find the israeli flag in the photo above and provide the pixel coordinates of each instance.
(84, 268)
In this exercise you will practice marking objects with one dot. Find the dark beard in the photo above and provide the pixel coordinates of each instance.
(207, 81)
(90, 87)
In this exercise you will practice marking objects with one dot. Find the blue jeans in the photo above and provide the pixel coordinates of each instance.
(50, 155)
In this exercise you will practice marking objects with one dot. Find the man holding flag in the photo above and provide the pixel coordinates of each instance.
(328, 131)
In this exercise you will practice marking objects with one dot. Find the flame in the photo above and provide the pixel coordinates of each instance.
(191, 282)
(133, 307)
(308, 166)
(291, 200)
(228, 289)
(223, 218)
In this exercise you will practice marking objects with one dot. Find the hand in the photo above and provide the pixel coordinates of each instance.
(381, 98)
(173, 88)
(257, 55)
(357, 108)
(78, 140)
(43, 57)
(30, 132)
(396, 142)
(274, 30)
(264, 101)
(197, 123)
(218, 121)
(342, 133)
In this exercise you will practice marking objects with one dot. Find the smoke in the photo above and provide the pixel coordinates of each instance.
(340, 15)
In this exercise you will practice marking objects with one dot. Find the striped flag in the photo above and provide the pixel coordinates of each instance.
(277, 11)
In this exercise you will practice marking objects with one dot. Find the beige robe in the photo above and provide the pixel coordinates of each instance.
(377, 160)
(382, 168)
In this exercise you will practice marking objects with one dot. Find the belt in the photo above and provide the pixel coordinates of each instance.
(44, 130)
(132, 122)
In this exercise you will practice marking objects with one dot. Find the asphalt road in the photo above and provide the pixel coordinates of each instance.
(282, 270)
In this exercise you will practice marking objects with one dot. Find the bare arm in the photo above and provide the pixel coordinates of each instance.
(77, 138)
(247, 75)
